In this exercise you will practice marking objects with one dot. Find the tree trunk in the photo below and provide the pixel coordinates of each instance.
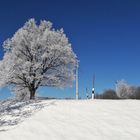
(32, 90)
(32, 94)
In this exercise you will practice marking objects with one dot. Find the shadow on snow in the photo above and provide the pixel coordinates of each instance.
(13, 112)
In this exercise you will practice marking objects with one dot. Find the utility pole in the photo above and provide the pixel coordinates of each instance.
(93, 89)
(87, 93)
(77, 81)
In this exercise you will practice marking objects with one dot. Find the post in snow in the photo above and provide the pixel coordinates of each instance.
(87, 93)
(77, 94)
(93, 89)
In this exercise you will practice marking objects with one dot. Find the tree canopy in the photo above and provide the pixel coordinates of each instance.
(37, 55)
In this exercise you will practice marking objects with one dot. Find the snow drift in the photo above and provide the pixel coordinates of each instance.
(79, 120)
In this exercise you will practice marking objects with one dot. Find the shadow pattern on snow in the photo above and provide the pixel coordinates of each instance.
(13, 112)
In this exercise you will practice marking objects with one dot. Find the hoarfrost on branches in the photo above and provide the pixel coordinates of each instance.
(124, 90)
(37, 55)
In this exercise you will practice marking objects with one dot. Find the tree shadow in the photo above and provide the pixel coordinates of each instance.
(13, 112)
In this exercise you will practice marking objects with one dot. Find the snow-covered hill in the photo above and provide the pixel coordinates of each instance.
(76, 120)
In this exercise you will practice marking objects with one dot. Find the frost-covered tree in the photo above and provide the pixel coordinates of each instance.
(121, 89)
(37, 55)
(124, 90)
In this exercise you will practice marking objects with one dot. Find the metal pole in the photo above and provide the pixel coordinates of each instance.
(77, 81)
(87, 93)
(92, 93)
(93, 87)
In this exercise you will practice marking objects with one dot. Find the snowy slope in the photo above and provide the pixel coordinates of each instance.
(80, 120)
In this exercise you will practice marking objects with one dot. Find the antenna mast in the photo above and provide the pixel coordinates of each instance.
(77, 81)
(87, 93)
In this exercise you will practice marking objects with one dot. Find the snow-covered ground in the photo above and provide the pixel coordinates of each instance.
(76, 120)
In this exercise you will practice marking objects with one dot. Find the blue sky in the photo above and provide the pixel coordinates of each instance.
(105, 35)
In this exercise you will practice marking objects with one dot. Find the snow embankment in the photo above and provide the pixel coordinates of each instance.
(80, 120)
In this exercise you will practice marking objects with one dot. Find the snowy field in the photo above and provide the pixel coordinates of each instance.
(71, 120)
